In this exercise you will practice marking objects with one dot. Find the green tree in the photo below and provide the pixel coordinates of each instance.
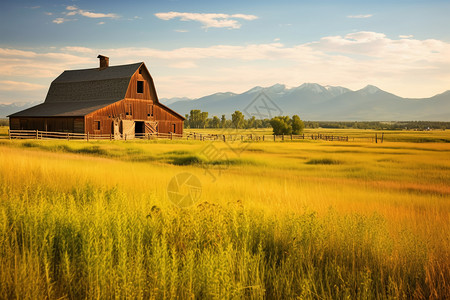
(297, 125)
(281, 125)
(223, 122)
(195, 118)
(186, 121)
(251, 123)
(203, 119)
(237, 118)
(215, 122)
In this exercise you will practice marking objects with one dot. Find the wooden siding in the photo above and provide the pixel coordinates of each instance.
(133, 110)
(135, 107)
(66, 124)
(149, 90)
(138, 107)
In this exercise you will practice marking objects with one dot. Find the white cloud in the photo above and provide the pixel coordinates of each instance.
(181, 30)
(8, 85)
(208, 20)
(100, 23)
(407, 67)
(183, 65)
(73, 11)
(96, 15)
(49, 13)
(78, 49)
(406, 36)
(60, 20)
(360, 16)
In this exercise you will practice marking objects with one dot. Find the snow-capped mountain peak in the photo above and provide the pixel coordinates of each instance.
(369, 90)
(313, 87)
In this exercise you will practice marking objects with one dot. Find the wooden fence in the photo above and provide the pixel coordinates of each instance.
(45, 135)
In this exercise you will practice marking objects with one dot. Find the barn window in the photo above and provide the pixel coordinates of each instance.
(174, 127)
(128, 111)
(140, 87)
(140, 70)
(96, 125)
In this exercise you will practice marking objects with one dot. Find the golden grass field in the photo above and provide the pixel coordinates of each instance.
(279, 220)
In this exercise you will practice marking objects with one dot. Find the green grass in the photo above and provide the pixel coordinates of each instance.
(323, 161)
(279, 220)
(358, 135)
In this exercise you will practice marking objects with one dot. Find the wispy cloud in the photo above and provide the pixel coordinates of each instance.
(181, 30)
(9, 85)
(183, 65)
(61, 20)
(360, 16)
(74, 10)
(208, 20)
(406, 36)
(408, 67)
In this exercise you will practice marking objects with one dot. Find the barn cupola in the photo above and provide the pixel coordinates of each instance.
(104, 62)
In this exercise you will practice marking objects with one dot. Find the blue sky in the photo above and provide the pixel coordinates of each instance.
(194, 48)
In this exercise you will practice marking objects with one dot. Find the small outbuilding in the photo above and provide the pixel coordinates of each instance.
(115, 100)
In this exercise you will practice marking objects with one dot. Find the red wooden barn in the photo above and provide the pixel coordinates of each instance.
(106, 100)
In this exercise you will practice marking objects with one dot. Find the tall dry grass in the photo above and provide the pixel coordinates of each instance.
(282, 220)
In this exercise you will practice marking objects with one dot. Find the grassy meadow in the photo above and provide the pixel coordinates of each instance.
(274, 220)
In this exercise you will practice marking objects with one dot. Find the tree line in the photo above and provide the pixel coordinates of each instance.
(287, 125)
(281, 124)
(378, 125)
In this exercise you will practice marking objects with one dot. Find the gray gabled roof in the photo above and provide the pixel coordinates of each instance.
(80, 92)
(92, 84)
(62, 109)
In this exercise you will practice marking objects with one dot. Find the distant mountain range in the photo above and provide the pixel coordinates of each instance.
(7, 109)
(312, 101)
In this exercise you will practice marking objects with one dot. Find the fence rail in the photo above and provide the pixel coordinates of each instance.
(45, 135)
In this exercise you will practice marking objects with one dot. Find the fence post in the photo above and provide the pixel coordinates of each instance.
(291, 137)
(263, 137)
(282, 137)
(9, 133)
(376, 138)
(110, 136)
(37, 134)
(274, 137)
(224, 138)
(171, 136)
(382, 137)
(125, 136)
(87, 137)
(68, 137)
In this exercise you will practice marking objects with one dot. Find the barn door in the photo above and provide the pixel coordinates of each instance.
(115, 129)
(151, 127)
(128, 129)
